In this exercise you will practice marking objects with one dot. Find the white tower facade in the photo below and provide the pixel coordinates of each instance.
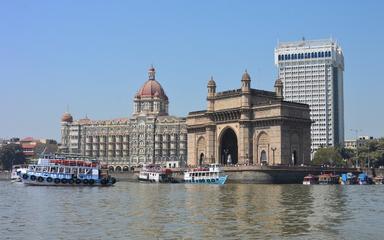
(312, 73)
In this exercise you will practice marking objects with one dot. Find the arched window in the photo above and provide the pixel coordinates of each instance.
(315, 54)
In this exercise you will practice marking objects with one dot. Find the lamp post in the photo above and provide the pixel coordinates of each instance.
(356, 131)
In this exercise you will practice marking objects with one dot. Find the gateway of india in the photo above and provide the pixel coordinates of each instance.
(240, 126)
(249, 126)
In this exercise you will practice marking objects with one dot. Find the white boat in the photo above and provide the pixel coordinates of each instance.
(311, 180)
(17, 172)
(155, 173)
(67, 172)
(206, 175)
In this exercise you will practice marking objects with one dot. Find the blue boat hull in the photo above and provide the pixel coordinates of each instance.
(220, 181)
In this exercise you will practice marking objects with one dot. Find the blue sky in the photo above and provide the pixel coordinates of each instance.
(93, 55)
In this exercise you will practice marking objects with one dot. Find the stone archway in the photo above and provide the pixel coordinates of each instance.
(118, 169)
(228, 147)
(111, 168)
(125, 169)
(263, 157)
(201, 148)
(261, 150)
(294, 149)
(201, 158)
(294, 157)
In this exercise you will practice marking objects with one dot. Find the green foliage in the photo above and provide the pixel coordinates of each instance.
(328, 156)
(371, 154)
(11, 154)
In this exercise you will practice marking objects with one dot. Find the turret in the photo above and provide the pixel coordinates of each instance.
(279, 88)
(211, 95)
(245, 95)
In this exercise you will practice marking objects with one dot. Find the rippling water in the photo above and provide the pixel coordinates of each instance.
(161, 211)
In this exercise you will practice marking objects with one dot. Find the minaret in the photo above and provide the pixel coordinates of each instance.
(211, 95)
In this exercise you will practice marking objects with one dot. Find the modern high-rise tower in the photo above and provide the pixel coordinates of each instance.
(312, 73)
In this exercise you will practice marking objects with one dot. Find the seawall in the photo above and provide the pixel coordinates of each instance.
(258, 174)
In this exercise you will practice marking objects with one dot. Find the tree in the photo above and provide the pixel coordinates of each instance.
(11, 154)
(329, 156)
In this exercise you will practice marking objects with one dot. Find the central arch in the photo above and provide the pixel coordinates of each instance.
(228, 147)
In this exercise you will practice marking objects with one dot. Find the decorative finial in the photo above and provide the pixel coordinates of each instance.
(151, 73)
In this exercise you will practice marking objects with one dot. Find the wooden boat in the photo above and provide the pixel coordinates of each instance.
(378, 180)
(328, 178)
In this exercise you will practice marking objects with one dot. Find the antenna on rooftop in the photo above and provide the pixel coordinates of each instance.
(303, 38)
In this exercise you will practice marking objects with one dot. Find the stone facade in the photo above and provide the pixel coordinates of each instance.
(150, 135)
(249, 126)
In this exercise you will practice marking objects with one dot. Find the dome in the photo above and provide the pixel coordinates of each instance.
(67, 117)
(246, 76)
(211, 83)
(151, 88)
(278, 83)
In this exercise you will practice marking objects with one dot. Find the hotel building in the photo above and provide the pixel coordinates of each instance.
(312, 73)
(150, 135)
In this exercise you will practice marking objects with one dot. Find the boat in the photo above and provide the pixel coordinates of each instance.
(328, 178)
(155, 173)
(363, 179)
(205, 175)
(348, 179)
(378, 180)
(17, 172)
(67, 172)
(311, 179)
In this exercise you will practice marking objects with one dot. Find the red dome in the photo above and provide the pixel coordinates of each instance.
(67, 117)
(151, 88)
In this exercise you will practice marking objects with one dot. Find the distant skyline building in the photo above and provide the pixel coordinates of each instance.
(312, 73)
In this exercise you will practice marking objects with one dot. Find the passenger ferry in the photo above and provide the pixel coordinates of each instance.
(67, 172)
(155, 173)
(206, 175)
(311, 179)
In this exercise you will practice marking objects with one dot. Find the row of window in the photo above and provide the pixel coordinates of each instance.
(295, 56)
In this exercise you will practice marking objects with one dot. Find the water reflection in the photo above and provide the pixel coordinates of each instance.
(152, 211)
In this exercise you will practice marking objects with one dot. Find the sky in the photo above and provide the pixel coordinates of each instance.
(91, 57)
